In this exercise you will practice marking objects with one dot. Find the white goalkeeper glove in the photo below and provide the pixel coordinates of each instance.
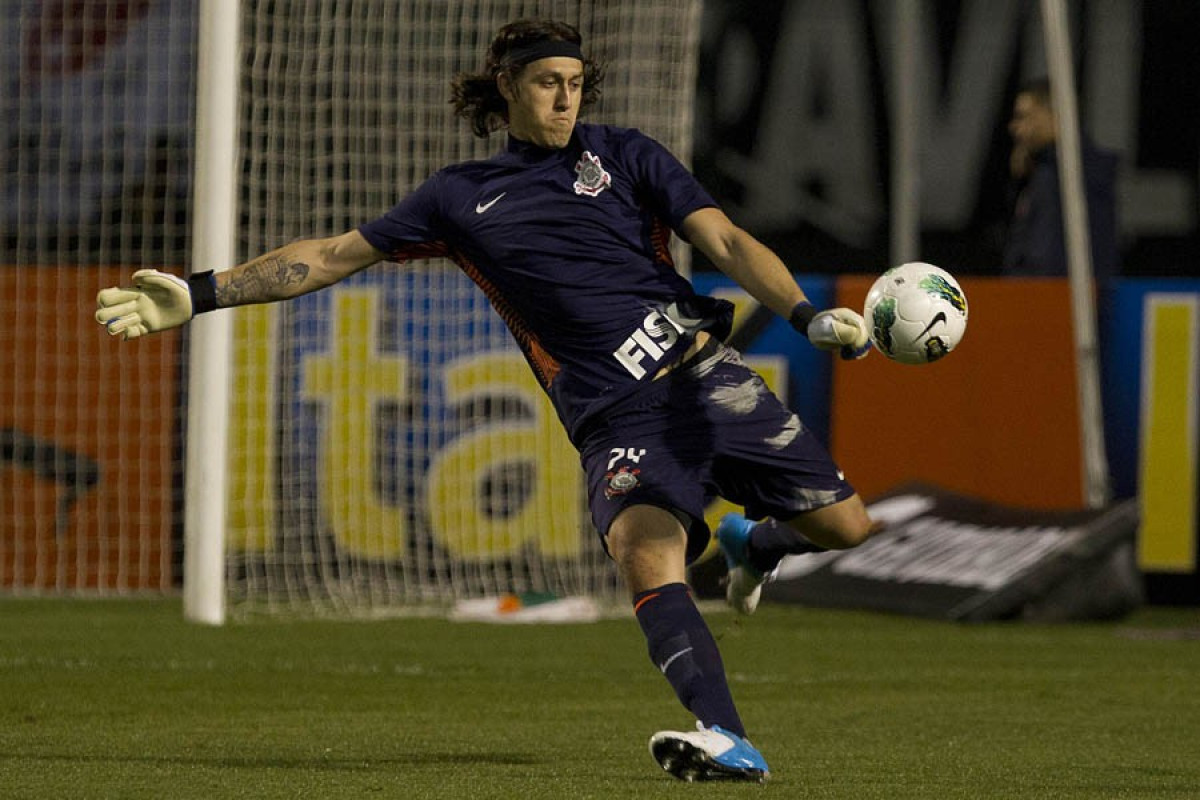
(156, 302)
(840, 329)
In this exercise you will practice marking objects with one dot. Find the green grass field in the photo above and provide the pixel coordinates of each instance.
(123, 699)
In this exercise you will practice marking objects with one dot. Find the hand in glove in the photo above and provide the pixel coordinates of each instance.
(156, 302)
(838, 329)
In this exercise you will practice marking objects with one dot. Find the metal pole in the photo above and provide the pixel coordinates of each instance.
(211, 340)
(1079, 258)
(906, 151)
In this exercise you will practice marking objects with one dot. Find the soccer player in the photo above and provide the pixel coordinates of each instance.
(566, 233)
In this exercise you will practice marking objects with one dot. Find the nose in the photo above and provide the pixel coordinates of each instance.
(562, 98)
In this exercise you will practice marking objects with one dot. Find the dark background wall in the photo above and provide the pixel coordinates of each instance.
(793, 124)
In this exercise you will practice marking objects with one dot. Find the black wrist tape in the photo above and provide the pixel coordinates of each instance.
(802, 314)
(203, 287)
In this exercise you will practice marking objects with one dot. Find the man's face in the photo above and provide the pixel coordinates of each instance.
(1032, 123)
(543, 102)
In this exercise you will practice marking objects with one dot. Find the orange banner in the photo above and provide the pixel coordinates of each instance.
(997, 419)
(88, 442)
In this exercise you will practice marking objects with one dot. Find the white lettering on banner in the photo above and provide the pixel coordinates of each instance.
(960, 102)
(651, 341)
(938, 551)
(816, 152)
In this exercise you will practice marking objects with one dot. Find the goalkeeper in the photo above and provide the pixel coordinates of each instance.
(566, 231)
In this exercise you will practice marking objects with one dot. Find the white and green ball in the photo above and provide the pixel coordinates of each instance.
(916, 313)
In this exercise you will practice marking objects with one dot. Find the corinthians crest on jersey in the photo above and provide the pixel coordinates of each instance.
(623, 481)
(590, 177)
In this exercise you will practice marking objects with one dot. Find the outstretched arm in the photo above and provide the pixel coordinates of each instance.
(158, 301)
(758, 270)
(294, 269)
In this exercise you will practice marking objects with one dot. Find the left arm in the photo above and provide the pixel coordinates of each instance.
(750, 263)
(756, 268)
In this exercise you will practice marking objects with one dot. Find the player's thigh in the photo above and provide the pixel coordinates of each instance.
(631, 465)
(837, 526)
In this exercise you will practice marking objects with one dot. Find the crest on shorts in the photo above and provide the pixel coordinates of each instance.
(590, 177)
(623, 481)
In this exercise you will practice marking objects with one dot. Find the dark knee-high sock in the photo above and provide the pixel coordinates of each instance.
(771, 541)
(683, 649)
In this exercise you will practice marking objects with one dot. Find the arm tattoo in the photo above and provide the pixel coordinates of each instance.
(262, 281)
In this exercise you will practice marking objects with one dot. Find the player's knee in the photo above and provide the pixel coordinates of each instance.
(648, 546)
(838, 527)
(623, 547)
(855, 526)
(856, 531)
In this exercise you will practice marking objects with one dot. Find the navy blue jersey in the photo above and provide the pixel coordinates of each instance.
(570, 247)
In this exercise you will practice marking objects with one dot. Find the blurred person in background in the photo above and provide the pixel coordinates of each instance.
(1036, 241)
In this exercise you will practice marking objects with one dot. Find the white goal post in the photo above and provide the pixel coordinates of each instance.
(1094, 459)
(214, 207)
(385, 446)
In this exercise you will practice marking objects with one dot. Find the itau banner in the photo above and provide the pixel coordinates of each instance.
(949, 556)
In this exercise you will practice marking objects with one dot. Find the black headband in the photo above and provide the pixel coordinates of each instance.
(545, 48)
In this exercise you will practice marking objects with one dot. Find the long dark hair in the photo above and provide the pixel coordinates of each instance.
(477, 99)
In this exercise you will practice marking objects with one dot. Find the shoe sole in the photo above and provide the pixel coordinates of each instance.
(690, 763)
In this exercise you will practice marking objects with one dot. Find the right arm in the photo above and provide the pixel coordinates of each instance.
(158, 301)
(758, 270)
(294, 269)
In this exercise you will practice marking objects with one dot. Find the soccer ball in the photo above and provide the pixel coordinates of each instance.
(916, 313)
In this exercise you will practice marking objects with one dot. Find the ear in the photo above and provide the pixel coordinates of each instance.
(505, 85)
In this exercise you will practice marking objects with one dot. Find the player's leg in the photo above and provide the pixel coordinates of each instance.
(754, 549)
(649, 546)
(648, 467)
(773, 464)
(839, 526)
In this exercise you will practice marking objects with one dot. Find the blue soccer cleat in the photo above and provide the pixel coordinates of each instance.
(708, 754)
(744, 588)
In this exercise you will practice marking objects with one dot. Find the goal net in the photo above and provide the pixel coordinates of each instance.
(95, 126)
(389, 448)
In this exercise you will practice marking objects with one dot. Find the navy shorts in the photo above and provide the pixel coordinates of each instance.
(710, 427)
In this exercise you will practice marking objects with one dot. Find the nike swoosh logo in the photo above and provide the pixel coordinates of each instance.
(671, 660)
(939, 317)
(482, 207)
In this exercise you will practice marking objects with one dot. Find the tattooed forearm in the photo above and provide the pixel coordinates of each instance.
(271, 277)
